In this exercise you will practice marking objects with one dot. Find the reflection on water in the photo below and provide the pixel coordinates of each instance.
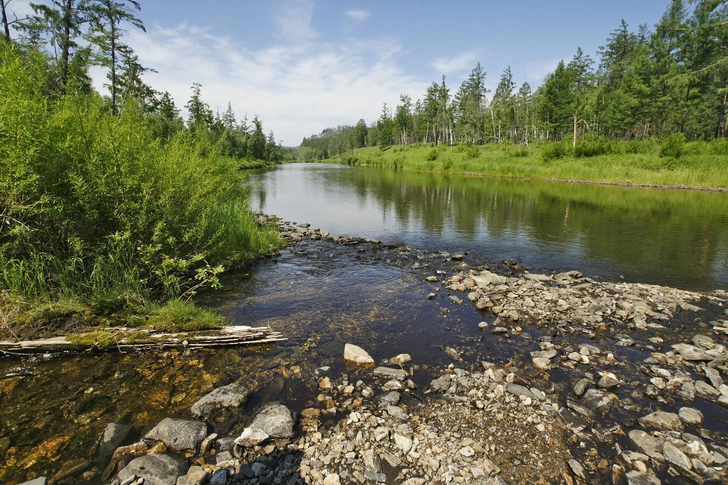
(669, 237)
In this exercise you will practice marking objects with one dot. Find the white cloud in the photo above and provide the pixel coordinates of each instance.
(451, 65)
(358, 15)
(294, 20)
(297, 88)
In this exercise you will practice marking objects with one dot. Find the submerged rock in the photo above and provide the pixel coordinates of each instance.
(156, 469)
(357, 355)
(179, 434)
(230, 396)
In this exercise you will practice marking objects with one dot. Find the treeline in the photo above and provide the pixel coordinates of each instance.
(113, 198)
(78, 34)
(669, 80)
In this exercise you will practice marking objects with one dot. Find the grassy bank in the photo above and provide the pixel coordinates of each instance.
(670, 162)
(102, 220)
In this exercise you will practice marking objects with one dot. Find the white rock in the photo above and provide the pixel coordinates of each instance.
(357, 355)
(251, 437)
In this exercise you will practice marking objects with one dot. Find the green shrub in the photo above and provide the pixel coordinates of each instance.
(432, 156)
(638, 145)
(472, 152)
(520, 151)
(594, 148)
(555, 150)
(673, 146)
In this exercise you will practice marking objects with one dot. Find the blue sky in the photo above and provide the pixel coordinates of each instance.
(304, 65)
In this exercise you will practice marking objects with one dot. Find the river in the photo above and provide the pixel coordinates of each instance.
(321, 295)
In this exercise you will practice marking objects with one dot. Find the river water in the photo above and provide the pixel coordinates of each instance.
(53, 409)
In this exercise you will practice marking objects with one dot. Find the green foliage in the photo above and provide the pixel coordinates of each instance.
(520, 151)
(432, 155)
(178, 316)
(95, 205)
(594, 147)
(673, 146)
(555, 151)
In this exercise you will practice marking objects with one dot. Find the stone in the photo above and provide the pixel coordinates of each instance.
(581, 387)
(691, 352)
(114, 435)
(641, 478)
(276, 420)
(661, 420)
(231, 396)
(400, 359)
(156, 469)
(356, 355)
(332, 479)
(714, 377)
(414, 481)
(251, 437)
(179, 434)
(608, 381)
(402, 442)
(704, 341)
(519, 390)
(676, 457)
(577, 468)
(541, 363)
(690, 416)
(397, 412)
(647, 444)
(486, 278)
(391, 398)
(196, 475)
(219, 477)
(371, 461)
(706, 391)
(36, 481)
(390, 373)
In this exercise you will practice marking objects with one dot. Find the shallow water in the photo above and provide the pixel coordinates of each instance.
(321, 295)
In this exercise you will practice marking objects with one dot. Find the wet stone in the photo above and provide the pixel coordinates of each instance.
(230, 396)
(114, 435)
(581, 387)
(276, 420)
(179, 434)
(390, 373)
(156, 469)
(661, 420)
(690, 416)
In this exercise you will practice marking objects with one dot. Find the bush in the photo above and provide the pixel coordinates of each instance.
(554, 151)
(472, 152)
(520, 151)
(638, 145)
(432, 156)
(673, 146)
(593, 148)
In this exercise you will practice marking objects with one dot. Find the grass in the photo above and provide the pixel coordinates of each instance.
(643, 162)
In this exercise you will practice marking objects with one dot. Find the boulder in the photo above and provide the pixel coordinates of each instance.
(230, 396)
(357, 355)
(390, 373)
(662, 421)
(251, 437)
(647, 444)
(156, 469)
(179, 434)
(276, 420)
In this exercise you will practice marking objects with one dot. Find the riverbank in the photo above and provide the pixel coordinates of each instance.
(572, 367)
(699, 168)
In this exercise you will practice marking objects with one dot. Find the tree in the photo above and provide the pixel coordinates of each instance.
(167, 118)
(556, 102)
(403, 118)
(200, 114)
(360, 134)
(470, 103)
(107, 18)
(61, 23)
(582, 79)
(257, 140)
(502, 103)
(385, 128)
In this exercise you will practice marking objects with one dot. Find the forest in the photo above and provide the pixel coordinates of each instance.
(669, 81)
(113, 198)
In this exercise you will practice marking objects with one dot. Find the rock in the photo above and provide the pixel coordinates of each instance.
(36, 481)
(647, 444)
(714, 377)
(675, 456)
(276, 420)
(692, 353)
(357, 355)
(325, 384)
(704, 341)
(251, 437)
(706, 391)
(390, 373)
(397, 412)
(661, 420)
(156, 469)
(231, 396)
(114, 435)
(608, 381)
(371, 461)
(414, 481)
(332, 479)
(577, 469)
(486, 278)
(195, 476)
(400, 359)
(392, 398)
(690, 416)
(219, 477)
(179, 434)
(403, 442)
(641, 478)
(442, 383)
(541, 363)
(581, 387)
(519, 390)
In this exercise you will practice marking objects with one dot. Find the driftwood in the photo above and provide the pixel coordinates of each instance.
(224, 337)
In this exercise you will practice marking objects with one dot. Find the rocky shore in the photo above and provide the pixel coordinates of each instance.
(613, 383)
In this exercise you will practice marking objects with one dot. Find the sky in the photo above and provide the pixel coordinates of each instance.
(305, 65)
